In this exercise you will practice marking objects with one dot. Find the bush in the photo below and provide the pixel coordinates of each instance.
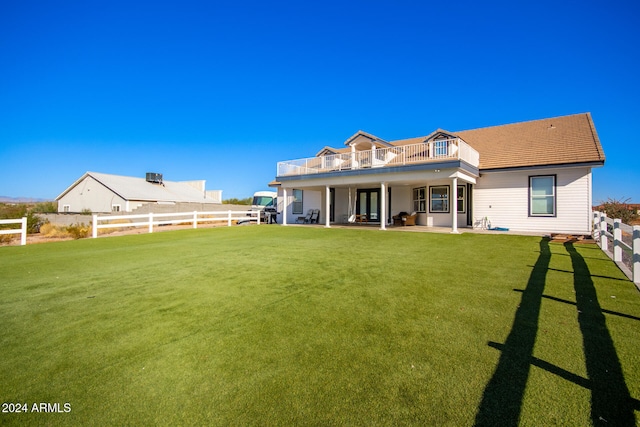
(619, 209)
(34, 222)
(6, 238)
(45, 207)
(235, 201)
(79, 231)
(50, 230)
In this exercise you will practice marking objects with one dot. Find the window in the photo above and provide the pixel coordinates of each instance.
(297, 202)
(542, 195)
(461, 199)
(115, 208)
(439, 199)
(419, 199)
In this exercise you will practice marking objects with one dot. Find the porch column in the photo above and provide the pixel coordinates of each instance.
(327, 214)
(285, 205)
(383, 206)
(453, 205)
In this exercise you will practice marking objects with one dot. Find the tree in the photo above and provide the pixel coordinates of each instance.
(235, 201)
(619, 209)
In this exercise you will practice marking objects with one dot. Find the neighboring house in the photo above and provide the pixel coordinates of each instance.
(101, 192)
(529, 176)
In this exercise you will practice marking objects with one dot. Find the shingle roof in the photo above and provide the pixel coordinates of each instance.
(133, 188)
(555, 141)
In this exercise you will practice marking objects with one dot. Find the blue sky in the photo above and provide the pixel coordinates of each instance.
(223, 90)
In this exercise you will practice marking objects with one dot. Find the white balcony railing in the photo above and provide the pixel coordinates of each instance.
(447, 149)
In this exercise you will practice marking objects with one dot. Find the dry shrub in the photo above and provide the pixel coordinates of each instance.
(79, 231)
(102, 231)
(53, 231)
(5, 239)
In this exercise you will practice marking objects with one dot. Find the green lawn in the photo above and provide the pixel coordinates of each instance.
(270, 325)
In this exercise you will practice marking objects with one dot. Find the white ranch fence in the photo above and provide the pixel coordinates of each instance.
(150, 220)
(22, 230)
(621, 242)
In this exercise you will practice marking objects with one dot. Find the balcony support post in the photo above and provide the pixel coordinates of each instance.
(383, 206)
(285, 205)
(453, 205)
(327, 207)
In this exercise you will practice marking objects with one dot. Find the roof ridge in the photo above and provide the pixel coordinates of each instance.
(524, 122)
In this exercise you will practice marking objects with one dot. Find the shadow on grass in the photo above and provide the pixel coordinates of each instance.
(611, 402)
(502, 399)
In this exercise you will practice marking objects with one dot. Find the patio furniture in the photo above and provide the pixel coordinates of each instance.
(397, 219)
(305, 219)
(405, 219)
(315, 215)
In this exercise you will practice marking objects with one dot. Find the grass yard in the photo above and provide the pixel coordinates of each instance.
(275, 325)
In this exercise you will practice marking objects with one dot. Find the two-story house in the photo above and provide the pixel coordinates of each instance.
(531, 176)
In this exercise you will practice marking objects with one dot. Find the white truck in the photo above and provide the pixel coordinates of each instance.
(265, 202)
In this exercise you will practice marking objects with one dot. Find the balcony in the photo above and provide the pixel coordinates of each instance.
(432, 151)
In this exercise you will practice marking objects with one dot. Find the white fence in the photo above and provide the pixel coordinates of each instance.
(150, 220)
(22, 230)
(625, 241)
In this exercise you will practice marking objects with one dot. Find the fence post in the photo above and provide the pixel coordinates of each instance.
(617, 240)
(23, 237)
(150, 222)
(258, 215)
(604, 242)
(94, 226)
(229, 219)
(635, 245)
(195, 219)
(595, 223)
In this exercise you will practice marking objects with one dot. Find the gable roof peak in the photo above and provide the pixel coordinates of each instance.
(366, 135)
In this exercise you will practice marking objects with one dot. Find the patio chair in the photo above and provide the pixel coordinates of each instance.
(411, 219)
(397, 219)
(306, 219)
(314, 216)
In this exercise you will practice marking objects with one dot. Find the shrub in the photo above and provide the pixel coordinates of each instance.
(79, 231)
(34, 222)
(6, 238)
(235, 201)
(53, 231)
(45, 207)
(619, 209)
